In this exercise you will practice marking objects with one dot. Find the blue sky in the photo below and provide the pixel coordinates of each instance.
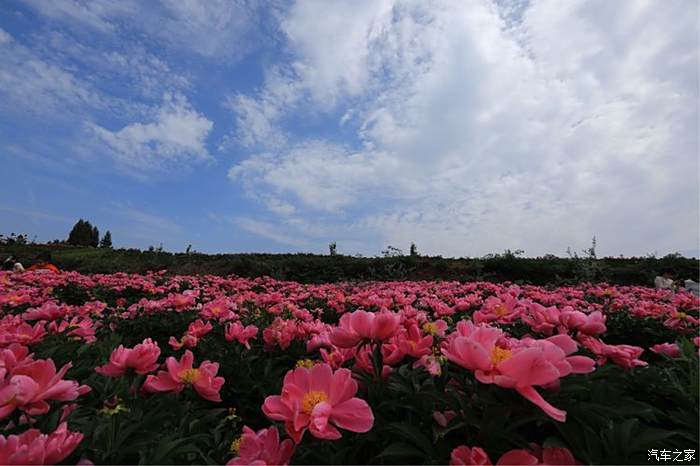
(465, 127)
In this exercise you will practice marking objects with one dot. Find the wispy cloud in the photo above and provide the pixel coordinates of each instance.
(532, 125)
(178, 133)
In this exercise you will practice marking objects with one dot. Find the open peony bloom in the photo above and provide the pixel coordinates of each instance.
(626, 356)
(414, 344)
(518, 364)
(362, 325)
(504, 309)
(320, 400)
(33, 447)
(142, 358)
(13, 356)
(220, 309)
(31, 385)
(181, 373)
(261, 448)
(667, 349)
(589, 324)
(538, 455)
(236, 331)
(465, 456)
(541, 319)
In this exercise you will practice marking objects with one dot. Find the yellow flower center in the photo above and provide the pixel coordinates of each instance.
(236, 445)
(189, 375)
(430, 328)
(498, 355)
(311, 399)
(682, 315)
(501, 310)
(308, 363)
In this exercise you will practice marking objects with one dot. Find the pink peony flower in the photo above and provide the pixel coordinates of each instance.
(33, 447)
(187, 341)
(626, 356)
(436, 328)
(538, 455)
(262, 448)
(362, 325)
(220, 309)
(236, 331)
(590, 324)
(414, 344)
(143, 358)
(667, 349)
(465, 456)
(198, 328)
(12, 357)
(431, 363)
(520, 365)
(31, 385)
(181, 373)
(541, 319)
(443, 419)
(504, 309)
(320, 400)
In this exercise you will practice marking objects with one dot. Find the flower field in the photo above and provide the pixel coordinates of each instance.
(159, 369)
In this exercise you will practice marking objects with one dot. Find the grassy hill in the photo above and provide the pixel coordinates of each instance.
(311, 268)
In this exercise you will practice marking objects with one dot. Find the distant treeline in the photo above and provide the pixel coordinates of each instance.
(311, 268)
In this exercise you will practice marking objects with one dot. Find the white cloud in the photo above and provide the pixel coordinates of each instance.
(491, 125)
(338, 177)
(215, 28)
(4, 36)
(177, 134)
(32, 84)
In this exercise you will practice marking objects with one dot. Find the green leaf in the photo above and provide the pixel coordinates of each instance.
(413, 435)
(402, 450)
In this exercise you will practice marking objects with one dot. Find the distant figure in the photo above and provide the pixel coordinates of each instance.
(44, 267)
(664, 281)
(9, 263)
(18, 267)
(692, 286)
(44, 263)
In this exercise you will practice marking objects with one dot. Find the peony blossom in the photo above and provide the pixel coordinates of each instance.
(414, 344)
(220, 309)
(181, 373)
(357, 326)
(236, 331)
(667, 349)
(541, 319)
(31, 385)
(589, 324)
(504, 309)
(321, 401)
(518, 364)
(143, 358)
(33, 447)
(261, 448)
(538, 455)
(465, 456)
(626, 356)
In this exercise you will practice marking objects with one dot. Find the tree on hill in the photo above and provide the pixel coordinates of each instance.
(106, 241)
(84, 234)
(95, 237)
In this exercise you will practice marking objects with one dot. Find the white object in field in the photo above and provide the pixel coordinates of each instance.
(662, 283)
(18, 267)
(692, 287)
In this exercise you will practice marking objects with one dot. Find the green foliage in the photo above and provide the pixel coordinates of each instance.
(309, 268)
(106, 241)
(84, 234)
